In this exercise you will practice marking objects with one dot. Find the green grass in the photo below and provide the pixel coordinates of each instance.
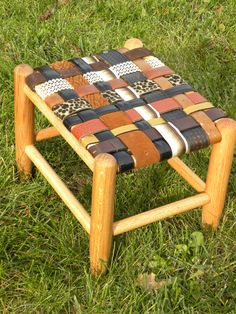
(44, 263)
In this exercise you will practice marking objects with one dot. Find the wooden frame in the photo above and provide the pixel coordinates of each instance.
(100, 226)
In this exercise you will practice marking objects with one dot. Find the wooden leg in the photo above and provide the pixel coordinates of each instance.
(24, 119)
(104, 179)
(218, 172)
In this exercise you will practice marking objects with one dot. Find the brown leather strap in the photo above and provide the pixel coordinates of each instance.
(163, 82)
(183, 100)
(161, 71)
(66, 73)
(53, 100)
(141, 147)
(86, 90)
(138, 53)
(117, 83)
(99, 66)
(34, 79)
(209, 126)
(116, 119)
(108, 146)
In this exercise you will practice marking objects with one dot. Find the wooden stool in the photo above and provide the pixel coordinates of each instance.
(119, 110)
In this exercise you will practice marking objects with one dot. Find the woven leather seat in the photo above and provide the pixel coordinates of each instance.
(129, 104)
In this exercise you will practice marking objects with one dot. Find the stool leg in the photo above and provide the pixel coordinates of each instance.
(218, 172)
(104, 179)
(24, 119)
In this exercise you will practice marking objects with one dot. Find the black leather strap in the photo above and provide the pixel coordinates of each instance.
(112, 57)
(68, 94)
(82, 65)
(174, 115)
(70, 121)
(133, 77)
(124, 160)
(162, 94)
(164, 149)
(196, 138)
(48, 72)
(104, 135)
(130, 104)
(87, 114)
(105, 109)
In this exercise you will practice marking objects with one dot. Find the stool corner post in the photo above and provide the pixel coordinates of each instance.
(24, 119)
(133, 43)
(102, 212)
(218, 172)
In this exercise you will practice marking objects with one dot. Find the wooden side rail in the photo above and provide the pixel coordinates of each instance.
(46, 133)
(160, 213)
(61, 189)
(185, 172)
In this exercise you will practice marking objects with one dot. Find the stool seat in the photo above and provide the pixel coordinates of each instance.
(120, 110)
(129, 104)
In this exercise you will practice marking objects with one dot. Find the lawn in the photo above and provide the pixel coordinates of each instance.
(44, 263)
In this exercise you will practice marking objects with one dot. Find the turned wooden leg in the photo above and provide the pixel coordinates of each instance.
(104, 178)
(24, 119)
(133, 43)
(218, 172)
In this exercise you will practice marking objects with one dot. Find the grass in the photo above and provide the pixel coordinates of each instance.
(44, 264)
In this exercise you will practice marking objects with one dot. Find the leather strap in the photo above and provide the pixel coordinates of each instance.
(183, 100)
(161, 71)
(215, 113)
(158, 95)
(124, 129)
(153, 134)
(88, 140)
(112, 57)
(174, 115)
(72, 120)
(86, 90)
(126, 105)
(185, 123)
(48, 73)
(196, 138)
(68, 94)
(115, 119)
(117, 83)
(145, 112)
(133, 115)
(145, 152)
(83, 66)
(208, 126)
(108, 146)
(104, 135)
(69, 72)
(87, 114)
(164, 149)
(202, 106)
(172, 138)
(137, 53)
(99, 66)
(106, 109)
(131, 78)
(53, 100)
(34, 79)
(196, 98)
(88, 127)
(124, 160)
(165, 105)
(156, 121)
